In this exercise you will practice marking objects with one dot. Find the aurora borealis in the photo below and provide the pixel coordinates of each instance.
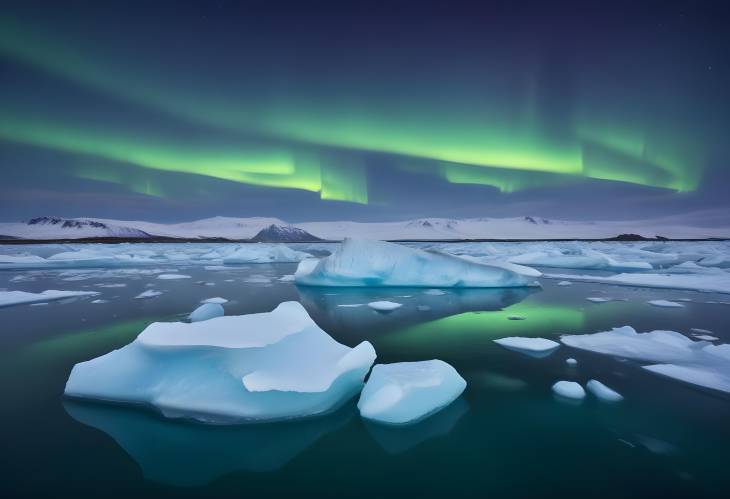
(361, 110)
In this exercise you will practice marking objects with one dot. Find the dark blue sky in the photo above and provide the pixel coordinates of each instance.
(311, 110)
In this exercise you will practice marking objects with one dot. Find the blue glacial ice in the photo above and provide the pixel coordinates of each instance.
(376, 263)
(252, 368)
(407, 392)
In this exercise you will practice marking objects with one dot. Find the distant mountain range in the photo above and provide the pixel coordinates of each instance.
(275, 230)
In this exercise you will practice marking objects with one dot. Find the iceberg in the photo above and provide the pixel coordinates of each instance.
(10, 298)
(408, 392)
(602, 392)
(583, 259)
(669, 353)
(264, 253)
(252, 368)
(569, 389)
(206, 312)
(366, 263)
(536, 347)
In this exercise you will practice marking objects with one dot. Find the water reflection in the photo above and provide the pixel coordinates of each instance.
(187, 455)
(344, 313)
(398, 439)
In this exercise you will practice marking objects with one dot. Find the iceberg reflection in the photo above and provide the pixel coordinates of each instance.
(188, 455)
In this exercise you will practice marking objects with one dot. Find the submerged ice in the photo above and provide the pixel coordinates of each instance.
(259, 367)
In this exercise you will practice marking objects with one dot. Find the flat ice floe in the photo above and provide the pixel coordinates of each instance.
(250, 368)
(577, 259)
(407, 392)
(670, 353)
(384, 305)
(9, 298)
(150, 293)
(536, 347)
(366, 263)
(172, 277)
(665, 304)
(718, 282)
(264, 253)
(216, 299)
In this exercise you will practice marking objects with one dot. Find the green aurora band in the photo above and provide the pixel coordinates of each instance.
(310, 136)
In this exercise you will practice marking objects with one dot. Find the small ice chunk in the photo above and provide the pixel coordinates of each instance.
(565, 283)
(407, 392)
(569, 389)
(598, 299)
(706, 337)
(216, 299)
(665, 304)
(384, 305)
(700, 330)
(536, 347)
(206, 311)
(571, 361)
(287, 278)
(351, 305)
(150, 293)
(100, 301)
(172, 277)
(603, 392)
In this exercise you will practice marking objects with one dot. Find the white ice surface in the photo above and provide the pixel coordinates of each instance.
(216, 299)
(715, 282)
(150, 293)
(251, 368)
(172, 277)
(407, 392)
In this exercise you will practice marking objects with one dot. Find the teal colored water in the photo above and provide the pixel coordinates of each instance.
(507, 436)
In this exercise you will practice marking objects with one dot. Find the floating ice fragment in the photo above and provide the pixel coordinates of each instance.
(232, 369)
(665, 304)
(206, 311)
(407, 392)
(365, 263)
(565, 283)
(539, 347)
(172, 277)
(569, 389)
(571, 361)
(603, 392)
(216, 299)
(150, 293)
(384, 305)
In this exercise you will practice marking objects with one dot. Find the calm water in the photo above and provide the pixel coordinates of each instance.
(507, 435)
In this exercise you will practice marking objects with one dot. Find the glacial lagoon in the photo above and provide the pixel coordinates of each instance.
(506, 435)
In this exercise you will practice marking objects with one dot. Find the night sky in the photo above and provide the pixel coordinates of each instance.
(364, 110)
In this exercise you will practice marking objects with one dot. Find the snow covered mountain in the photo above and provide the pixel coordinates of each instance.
(273, 229)
(283, 234)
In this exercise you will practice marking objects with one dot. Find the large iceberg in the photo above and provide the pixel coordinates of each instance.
(250, 368)
(670, 353)
(376, 263)
(407, 392)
